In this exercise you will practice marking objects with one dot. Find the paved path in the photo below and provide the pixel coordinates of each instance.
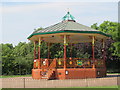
(28, 82)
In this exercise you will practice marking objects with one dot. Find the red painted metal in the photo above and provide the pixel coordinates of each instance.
(60, 73)
(65, 56)
(71, 50)
(73, 73)
(93, 52)
(39, 52)
(48, 50)
(104, 53)
(34, 50)
(54, 70)
(34, 54)
(39, 58)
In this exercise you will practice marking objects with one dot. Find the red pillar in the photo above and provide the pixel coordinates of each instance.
(39, 42)
(104, 53)
(71, 50)
(34, 50)
(39, 52)
(48, 50)
(104, 56)
(48, 61)
(65, 56)
(93, 51)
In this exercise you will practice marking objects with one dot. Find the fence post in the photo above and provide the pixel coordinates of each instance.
(86, 82)
(23, 82)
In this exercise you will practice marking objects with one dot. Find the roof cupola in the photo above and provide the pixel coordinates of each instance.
(68, 17)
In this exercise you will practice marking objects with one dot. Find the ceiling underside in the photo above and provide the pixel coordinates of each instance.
(72, 37)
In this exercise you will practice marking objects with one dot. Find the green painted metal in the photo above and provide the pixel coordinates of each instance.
(68, 16)
(69, 26)
(68, 31)
(79, 62)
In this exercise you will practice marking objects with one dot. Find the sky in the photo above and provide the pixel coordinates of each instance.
(19, 18)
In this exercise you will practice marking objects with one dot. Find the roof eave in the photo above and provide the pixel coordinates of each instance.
(69, 31)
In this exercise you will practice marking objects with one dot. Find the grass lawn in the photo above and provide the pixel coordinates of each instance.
(98, 87)
(8, 76)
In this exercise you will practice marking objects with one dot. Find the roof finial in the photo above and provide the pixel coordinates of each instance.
(67, 9)
(68, 16)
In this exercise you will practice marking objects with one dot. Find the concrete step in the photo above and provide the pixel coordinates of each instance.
(44, 77)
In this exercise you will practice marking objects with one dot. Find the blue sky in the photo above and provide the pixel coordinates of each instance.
(19, 19)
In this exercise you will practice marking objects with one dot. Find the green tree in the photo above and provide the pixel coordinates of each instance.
(35, 30)
(95, 26)
(113, 45)
(7, 58)
(23, 53)
(17, 60)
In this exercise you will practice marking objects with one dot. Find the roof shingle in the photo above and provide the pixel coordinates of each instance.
(66, 25)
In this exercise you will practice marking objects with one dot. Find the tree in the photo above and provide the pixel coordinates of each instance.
(95, 26)
(35, 30)
(17, 60)
(113, 45)
(7, 58)
(23, 53)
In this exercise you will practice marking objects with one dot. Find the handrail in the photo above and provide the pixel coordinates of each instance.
(53, 64)
(72, 63)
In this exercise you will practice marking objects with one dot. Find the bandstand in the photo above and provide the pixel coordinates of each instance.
(67, 32)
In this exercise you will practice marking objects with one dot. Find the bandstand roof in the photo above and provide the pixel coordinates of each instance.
(68, 26)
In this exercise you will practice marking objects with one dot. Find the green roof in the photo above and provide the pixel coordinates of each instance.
(67, 25)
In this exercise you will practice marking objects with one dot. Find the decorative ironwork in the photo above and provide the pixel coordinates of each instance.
(68, 16)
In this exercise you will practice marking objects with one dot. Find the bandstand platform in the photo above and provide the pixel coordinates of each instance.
(68, 32)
